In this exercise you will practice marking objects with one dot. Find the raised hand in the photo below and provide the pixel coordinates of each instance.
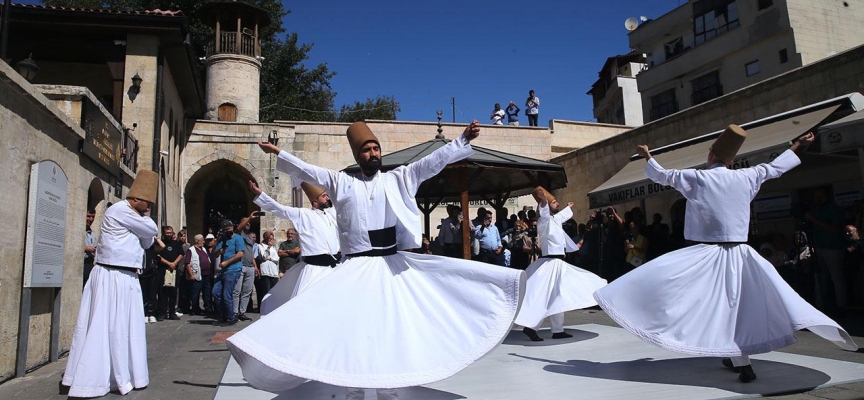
(269, 148)
(254, 188)
(472, 131)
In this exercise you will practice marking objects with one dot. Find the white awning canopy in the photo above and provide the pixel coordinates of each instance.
(764, 143)
(844, 134)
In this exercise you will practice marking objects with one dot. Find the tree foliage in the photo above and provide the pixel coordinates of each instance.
(382, 107)
(289, 89)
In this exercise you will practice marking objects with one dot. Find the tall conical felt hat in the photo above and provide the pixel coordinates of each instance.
(727, 145)
(145, 185)
(312, 191)
(536, 193)
(358, 134)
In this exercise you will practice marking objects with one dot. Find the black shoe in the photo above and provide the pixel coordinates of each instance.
(160, 318)
(230, 322)
(746, 374)
(243, 317)
(532, 334)
(561, 335)
(174, 317)
(727, 362)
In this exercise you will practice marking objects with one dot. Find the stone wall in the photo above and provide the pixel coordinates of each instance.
(34, 130)
(571, 135)
(825, 27)
(590, 166)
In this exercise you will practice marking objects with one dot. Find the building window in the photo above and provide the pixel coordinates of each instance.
(674, 48)
(619, 114)
(663, 104)
(752, 68)
(763, 4)
(712, 18)
(227, 112)
(784, 57)
(706, 87)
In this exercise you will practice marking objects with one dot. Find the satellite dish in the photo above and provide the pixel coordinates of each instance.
(631, 23)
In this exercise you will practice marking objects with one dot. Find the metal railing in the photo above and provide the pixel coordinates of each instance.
(228, 44)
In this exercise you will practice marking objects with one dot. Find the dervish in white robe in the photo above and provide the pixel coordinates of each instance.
(109, 345)
(382, 319)
(719, 298)
(554, 286)
(319, 241)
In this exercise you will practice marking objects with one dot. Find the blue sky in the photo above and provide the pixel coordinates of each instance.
(478, 51)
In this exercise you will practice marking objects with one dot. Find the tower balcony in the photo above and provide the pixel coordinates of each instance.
(234, 43)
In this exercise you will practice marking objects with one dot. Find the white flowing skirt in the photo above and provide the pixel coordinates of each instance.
(299, 277)
(109, 345)
(382, 322)
(554, 287)
(714, 300)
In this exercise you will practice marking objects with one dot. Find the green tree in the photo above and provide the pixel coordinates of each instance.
(382, 107)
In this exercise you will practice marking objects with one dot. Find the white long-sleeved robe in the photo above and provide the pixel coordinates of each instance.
(721, 300)
(318, 236)
(109, 346)
(386, 321)
(555, 286)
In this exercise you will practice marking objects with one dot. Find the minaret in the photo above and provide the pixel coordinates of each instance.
(233, 60)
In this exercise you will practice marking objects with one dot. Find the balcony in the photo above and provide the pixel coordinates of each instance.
(707, 93)
(234, 43)
(663, 110)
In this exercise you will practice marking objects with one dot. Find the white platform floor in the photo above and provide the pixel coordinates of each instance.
(599, 362)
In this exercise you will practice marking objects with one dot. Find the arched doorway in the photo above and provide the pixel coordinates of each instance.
(218, 190)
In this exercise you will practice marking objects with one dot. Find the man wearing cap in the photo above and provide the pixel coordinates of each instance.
(718, 298)
(383, 318)
(554, 286)
(319, 240)
(109, 346)
(230, 247)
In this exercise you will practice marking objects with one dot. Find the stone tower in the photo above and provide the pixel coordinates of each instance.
(233, 60)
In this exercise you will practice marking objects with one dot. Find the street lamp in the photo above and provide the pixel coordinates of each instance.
(27, 68)
(135, 88)
(273, 138)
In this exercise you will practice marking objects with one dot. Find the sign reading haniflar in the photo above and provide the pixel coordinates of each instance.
(104, 141)
(45, 248)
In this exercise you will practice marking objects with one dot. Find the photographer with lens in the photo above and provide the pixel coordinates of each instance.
(231, 248)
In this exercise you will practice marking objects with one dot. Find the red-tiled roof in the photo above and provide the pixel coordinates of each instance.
(156, 12)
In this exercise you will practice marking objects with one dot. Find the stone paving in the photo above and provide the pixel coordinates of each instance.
(187, 359)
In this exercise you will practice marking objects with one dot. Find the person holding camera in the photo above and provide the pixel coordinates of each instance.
(230, 248)
(246, 281)
(635, 246)
(384, 318)
(554, 286)
(319, 238)
(718, 298)
(521, 246)
(450, 233)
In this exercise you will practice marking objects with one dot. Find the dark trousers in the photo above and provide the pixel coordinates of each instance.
(167, 297)
(184, 287)
(490, 257)
(532, 119)
(150, 285)
(88, 267)
(263, 284)
(196, 289)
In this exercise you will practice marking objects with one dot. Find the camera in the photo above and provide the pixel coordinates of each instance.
(225, 235)
(261, 213)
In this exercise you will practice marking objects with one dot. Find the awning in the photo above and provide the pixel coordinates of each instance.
(764, 143)
(844, 134)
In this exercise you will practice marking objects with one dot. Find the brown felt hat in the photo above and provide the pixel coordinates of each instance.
(727, 145)
(145, 185)
(536, 193)
(358, 135)
(312, 191)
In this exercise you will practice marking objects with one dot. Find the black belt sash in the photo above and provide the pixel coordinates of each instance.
(117, 267)
(558, 256)
(383, 242)
(322, 260)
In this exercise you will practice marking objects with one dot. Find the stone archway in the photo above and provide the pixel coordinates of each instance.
(218, 190)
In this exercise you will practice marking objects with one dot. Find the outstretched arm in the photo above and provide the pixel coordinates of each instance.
(300, 169)
(272, 206)
(415, 173)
